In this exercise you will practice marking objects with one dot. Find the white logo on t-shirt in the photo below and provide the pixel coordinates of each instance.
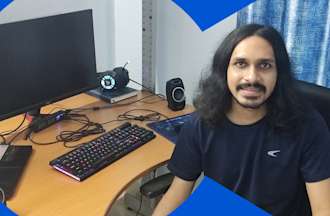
(273, 153)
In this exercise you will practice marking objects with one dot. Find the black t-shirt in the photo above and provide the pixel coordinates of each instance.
(268, 169)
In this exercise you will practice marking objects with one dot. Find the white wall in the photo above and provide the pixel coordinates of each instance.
(128, 37)
(117, 27)
(181, 49)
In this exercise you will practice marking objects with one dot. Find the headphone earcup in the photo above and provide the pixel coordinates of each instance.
(113, 80)
(122, 77)
(107, 80)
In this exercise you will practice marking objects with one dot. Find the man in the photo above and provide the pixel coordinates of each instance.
(252, 134)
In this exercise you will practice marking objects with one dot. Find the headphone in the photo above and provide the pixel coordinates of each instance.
(114, 79)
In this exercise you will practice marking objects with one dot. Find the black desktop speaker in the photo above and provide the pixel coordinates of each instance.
(114, 79)
(175, 94)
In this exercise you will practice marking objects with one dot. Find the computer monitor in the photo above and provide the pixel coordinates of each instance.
(44, 60)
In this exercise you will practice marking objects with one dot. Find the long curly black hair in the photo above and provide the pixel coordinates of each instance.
(214, 99)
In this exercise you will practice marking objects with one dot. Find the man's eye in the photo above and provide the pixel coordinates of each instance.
(265, 65)
(240, 64)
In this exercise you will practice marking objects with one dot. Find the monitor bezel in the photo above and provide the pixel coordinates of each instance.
(63, 96)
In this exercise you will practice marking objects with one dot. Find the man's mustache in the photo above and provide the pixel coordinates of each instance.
(257, 86)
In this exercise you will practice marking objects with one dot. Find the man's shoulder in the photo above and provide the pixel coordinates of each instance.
(313, 124)
(196, 125)
(195, 118)
(312, 117)
(193, 122)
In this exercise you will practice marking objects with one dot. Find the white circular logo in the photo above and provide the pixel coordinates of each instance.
(108, 82)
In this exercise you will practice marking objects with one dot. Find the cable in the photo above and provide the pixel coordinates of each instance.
(6, 133)
(151, 116)
(114, 105)
(17, 134)
(39, 143)
(148, 89)
(108, 122)
(10, 132)
(88, 128)
(126, 116)
(129, 103)
(125, 65)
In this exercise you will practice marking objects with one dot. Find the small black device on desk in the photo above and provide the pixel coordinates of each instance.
(91, 157)
(45, 120)
(12, 165)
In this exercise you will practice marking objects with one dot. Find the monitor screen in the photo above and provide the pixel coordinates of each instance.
(45, 60)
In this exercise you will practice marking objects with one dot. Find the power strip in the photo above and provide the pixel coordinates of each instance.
(44, 121)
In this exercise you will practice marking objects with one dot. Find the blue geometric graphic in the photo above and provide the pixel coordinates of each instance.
(211, 198)
(4, 3)
(207, 13)
(4, 211)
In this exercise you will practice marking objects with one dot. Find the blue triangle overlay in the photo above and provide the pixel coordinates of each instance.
(207, 13)
(4, 211)
(211, 198)
(4, 3)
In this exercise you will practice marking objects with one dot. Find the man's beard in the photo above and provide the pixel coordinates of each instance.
(250, 105)
(258, 87)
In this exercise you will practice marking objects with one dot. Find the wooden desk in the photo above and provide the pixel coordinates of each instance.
(45, 191)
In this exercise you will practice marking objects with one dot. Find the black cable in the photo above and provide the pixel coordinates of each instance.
(130, 103)
(24, 129)
(108, 122)
(39, 143)
(65, 144)
(88, 128)
(143, 86)
(151, 116)
(148, 89)
(114, 105)
(125, 65)
(10, 132)
(17, 134)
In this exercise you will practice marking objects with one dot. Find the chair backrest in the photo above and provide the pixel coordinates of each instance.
(317, 96)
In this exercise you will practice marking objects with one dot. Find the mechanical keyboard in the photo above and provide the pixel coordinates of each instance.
(91, 157)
